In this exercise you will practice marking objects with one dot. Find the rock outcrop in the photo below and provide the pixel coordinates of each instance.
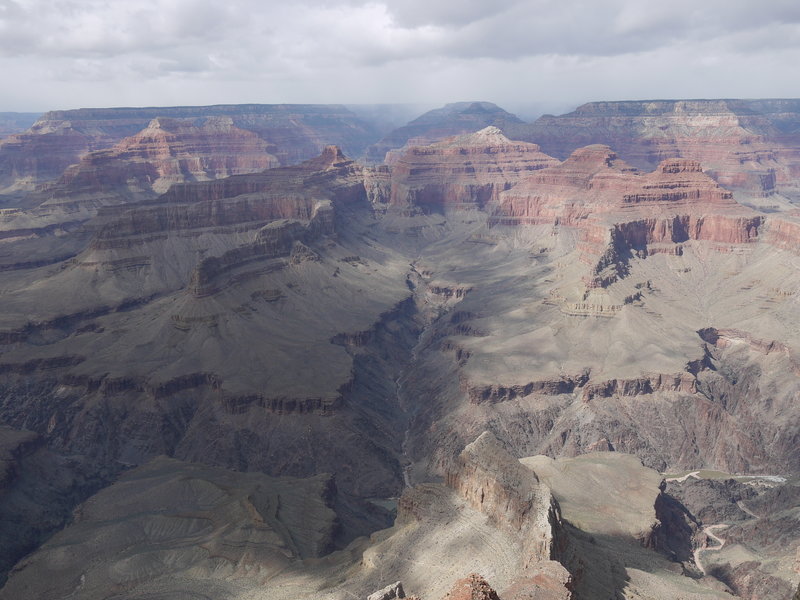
(390, 592)
(170, 151)
(495, 483)
(621, 212)
(453, 119)
(747, 145)
(294, 132)
(473, 587)
(468, 171)
(401, 333)
(194, 265)
(783, 231)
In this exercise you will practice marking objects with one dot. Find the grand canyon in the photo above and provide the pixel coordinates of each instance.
(298, 352)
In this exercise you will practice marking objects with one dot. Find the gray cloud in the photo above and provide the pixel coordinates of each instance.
(99, 52)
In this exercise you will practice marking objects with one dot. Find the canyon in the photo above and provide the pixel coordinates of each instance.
(268, 351)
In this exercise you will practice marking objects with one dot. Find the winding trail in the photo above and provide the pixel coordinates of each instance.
(709, 532)
(695, 474)
(741, 505)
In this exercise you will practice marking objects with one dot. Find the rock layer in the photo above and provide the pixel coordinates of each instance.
(61, 138)
(466, 171)
(453, 119)
(747, 145)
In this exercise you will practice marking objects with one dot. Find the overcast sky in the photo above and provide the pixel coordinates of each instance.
(554, 53)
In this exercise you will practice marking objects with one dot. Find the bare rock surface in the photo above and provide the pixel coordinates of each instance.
(373, 324)
(453, 119)
(473, 587)
(61, 138)
(391, 591)
(465, 171)
(747, 145)
(170, 519)
(186, 336)
(713, 501)
(588, 489)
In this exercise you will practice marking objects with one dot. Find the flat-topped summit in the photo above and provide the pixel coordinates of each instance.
(455, 119)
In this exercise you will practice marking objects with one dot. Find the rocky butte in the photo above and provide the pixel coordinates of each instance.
(750, 146)
(59, 139)
(512, 361)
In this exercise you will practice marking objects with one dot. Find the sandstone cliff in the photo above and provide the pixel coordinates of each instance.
(468, 171)
(747, 145)
(61, 138)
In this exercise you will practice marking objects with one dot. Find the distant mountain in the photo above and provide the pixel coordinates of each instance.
(16, 122)
(435, 125)
(751, 146)
(61, 138)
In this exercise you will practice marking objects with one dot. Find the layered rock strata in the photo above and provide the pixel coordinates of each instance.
(208, 300)
(61, 138)
(170, 151)
(621, 212)
(453, 119)
(494, 482)
(746, 145)
(468, 171)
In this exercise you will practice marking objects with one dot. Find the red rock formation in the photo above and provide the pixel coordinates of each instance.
(453, 119)
(61, 138)
(783, 231)
(463, 172)
(172, 151)
(750, 145)
(552, 582)
(472, 587)
(247, 200)
(620, 211)
(479, 394)
(27, 159)
(647, 384)
(727, 338)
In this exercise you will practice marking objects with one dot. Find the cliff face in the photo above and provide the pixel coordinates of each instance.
(752, 146)
(570, 329)
(494, 482)
(42, 154)
(466, 171)
(293, 133)
(327, 317)
(171, 151)
(783, 231)
(491, 515)
(621, 212)
(220, 284)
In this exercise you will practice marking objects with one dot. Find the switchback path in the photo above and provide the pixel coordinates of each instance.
(709, 531)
